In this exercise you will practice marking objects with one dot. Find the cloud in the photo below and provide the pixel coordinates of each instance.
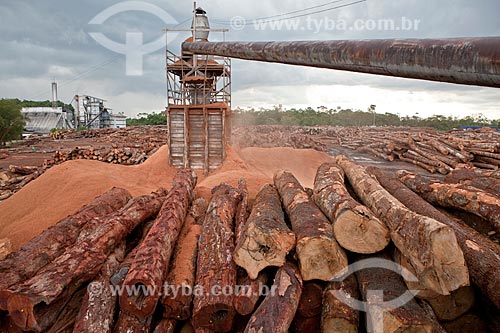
(53, 40)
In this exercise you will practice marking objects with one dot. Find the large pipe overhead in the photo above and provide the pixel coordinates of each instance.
(471, 61)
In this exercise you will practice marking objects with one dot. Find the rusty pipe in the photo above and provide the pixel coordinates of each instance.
(471, 61)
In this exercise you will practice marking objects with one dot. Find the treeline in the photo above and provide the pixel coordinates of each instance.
(39, 104)
(348, 117)
(148, 119)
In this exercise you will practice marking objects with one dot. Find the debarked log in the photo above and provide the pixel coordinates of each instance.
(23, 264)
(216, 270)
(320, 256)
(467, 198)
(80, 263)
(277, 310)
(149, 269)
(430, 246)
(355, 227)
(265, 239)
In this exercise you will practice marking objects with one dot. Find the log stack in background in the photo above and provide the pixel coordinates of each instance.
(286, 243)
(433, 151)
(125, 146)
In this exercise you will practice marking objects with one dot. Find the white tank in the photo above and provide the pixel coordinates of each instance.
(200, 21)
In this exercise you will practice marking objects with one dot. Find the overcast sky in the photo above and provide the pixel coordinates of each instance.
(41, 40)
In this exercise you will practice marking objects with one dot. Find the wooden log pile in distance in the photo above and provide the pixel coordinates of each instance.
(125, 146)
(153, 248)
(433, 151)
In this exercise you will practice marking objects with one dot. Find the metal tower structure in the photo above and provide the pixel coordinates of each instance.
(198, 101)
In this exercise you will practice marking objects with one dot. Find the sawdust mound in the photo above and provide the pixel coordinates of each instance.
(65, 188)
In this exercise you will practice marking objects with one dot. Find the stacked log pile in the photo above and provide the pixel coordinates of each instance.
(435, 152)
(126, 146)
(168, 262)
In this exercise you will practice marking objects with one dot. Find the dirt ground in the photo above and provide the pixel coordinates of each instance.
(64, 188)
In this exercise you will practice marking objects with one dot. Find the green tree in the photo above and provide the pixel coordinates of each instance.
(11, 120)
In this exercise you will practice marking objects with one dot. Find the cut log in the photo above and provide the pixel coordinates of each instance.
(354, 225)
(452, 306)
(301, 324)
(320, 256)
(430, 246)
(22, 170)
(409, 274)
(43, 249)
(181, 277)
(248, 292)
(379, 286)
(310, 300)
(152, 259)
(216, 270)
(241, 212)
(97, 312)
(80, 263)
(466, 323)
(265, 239)
(471, 177)
(5, 248)
(165, 326)
(438, 328)
(277, 310)
(469, 199)
(65, 320)
(337, 316)
(130, 324)
(481, 254)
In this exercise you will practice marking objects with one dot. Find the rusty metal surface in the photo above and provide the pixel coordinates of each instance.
(471, 61)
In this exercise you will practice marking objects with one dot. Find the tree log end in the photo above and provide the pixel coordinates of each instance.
(139, 302)
(321, 258)
(358, 233)
(217, 317)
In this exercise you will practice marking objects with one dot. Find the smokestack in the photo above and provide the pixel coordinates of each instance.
(54, 94)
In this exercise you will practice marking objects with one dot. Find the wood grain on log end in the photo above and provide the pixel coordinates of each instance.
(336, 315)
(355, 227)
(266, 239)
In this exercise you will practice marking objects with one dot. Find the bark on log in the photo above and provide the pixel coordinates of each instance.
(241, 212)
(430, 246)
(354, 225)
(248, 293)
(22, 170)
(152, 259)
(5, 248)
(380, 286)
(481, 254)
(438, 328)
(79, 263)
(473, 178)
(165, 326)
(310, 300)
(463, 197)
(266, 239)
(301, 324)
(181, 277)
(130, 324)
(43, 249)
(320, 256)
(216, 269)
(67, 316)
(337, 316)
(467, 323)
(97, 312)
(277, 310)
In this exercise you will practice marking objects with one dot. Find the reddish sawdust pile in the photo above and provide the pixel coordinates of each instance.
(66, 187)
